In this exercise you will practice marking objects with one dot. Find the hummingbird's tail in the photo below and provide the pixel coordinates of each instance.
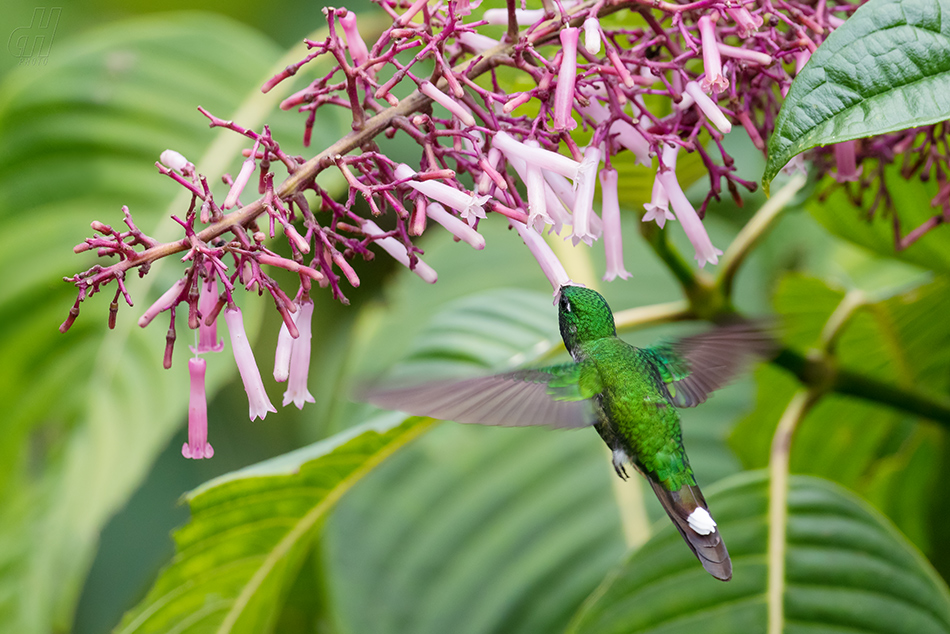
(687, 508)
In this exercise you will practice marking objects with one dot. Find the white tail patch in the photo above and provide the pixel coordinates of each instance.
(701, 521)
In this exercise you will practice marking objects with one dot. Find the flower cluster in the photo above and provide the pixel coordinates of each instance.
(649, 80)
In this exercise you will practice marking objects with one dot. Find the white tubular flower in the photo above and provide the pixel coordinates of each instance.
(462, 201)
(398, 251)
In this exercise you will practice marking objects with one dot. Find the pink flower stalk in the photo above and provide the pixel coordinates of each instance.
(748, 23)
(354, 41)
(164, 302)
(257, 399)
(550, 265)
(566, 76)
(397, 250)
(848, 171)
(756, 57)
(545, 159)
(297, 391)
(613, 238)
(197, 446)
(584, 202)
(689, 220)
(173, 160)
(712, 64)
(658, 208)
(208, 335)
(456, 227)
(461, 201)
(247, 168)
(592, 35)
(428, 89)
(708, 106)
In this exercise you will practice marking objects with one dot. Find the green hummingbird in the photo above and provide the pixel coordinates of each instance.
(629, 395)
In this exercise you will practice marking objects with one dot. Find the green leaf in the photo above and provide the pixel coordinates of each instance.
(250, 531)
(88, 411)
(846, 569)
(885, 69)
(896, 340)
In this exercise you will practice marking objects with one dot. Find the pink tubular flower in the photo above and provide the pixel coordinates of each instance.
(712, 63)
(461, 201)
(456, 227)
(197, 446)
(613, 238)
(624, 133)
(566, 76)
(584, 202)
(692, 225)
(398, 251)
(545, 159)
(592, 35)
(537, 200)
(755, 57)
(748, 23)
(297, 391)
(709, 107)
(208, 335)
(477, 42)
(354, 41)
(428, 89)
(658, 208)
(848, 171)
(550, 265)
(258, 402)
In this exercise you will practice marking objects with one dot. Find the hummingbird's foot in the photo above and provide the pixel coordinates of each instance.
(619, 456)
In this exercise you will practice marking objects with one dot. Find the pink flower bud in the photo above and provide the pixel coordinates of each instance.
(247, 168)
(755, 57)
(456, 227)
(429, 90)
(285, 343)
(398, 251)
(613, 238)
(712, 63)
(197, 446)
(168, 299)
(354, 40)
(566, 76)
(478, 43)
(258, 402)
(297, 391)
(524, 17)
(708, 106)
(173, 160)
(592, 35)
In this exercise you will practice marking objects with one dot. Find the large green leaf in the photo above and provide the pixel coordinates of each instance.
(87, 412)
(847, 569)
(251, 530)
(889, 459)
(886, 68)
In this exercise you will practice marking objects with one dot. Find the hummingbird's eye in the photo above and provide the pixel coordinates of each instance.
(566, 304)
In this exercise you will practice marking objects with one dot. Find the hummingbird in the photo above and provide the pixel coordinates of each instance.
(629, 395)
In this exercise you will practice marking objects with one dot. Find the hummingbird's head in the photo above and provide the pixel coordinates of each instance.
(583, 315)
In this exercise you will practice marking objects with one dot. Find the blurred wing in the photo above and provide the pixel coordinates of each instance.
(695, 366)
(556, 396)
